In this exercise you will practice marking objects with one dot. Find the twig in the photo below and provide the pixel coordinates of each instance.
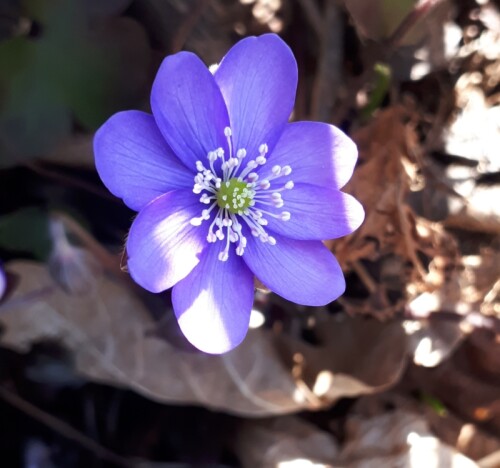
(188, 25)
(313, 15)
(330, 64)
(64, 429)
(364, 276)
(420, 10)
(69, 180)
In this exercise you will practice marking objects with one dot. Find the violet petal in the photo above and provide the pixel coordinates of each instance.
(258, 79)
(317, 213)
(163, 247)
(304, 272)
(3, 282)
(318, 153)
(134, 161)
(213, 302)
(188, 108)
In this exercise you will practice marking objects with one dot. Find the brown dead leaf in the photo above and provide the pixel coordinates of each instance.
(468, 383)
(468, 438)
(381, 183)
(276, 442)
(354, 357)
(109, 333)
(397, 439)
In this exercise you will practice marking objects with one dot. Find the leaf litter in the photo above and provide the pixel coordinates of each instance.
(404, 369)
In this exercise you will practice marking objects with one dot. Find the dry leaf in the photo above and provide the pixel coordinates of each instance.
(110, 335)
(354, 357)
(468, 383)
(399, 439)
(469, 439)
(284, 441)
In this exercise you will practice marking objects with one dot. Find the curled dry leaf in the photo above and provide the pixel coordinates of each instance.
(354, 357)
(392, 235)
(460, 300)
(399, 439)
(468, 383)
(380, 183)
(431, 342)
(468, 438)
(109, 334)
(274, 443)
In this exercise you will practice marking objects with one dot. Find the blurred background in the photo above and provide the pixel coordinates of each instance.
(402, 371)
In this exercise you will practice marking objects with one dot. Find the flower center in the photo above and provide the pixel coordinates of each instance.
(236, 195)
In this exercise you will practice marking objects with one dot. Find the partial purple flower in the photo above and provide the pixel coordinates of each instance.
(227, 189)
(3, 282)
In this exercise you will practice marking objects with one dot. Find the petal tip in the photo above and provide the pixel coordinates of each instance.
(208, 342)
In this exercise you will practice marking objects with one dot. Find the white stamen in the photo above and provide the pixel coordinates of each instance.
(244, 198)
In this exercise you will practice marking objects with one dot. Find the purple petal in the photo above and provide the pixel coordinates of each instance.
(318, 153)
(188, 107)
(304, 272)
(134, 161)
(3, 282)
(163, 247)
(258, 79)
(213, 303)
(317, 213)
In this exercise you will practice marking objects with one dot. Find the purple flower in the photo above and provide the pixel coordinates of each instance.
(3, 282)
(227, 189)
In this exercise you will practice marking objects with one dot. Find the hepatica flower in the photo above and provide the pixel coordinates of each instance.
(3, 282)
(227, 189)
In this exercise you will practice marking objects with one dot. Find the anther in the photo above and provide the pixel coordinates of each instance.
(261, 160)
(223, 256)
(239, 195)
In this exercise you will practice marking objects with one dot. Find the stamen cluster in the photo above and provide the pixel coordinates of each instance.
(238, 195)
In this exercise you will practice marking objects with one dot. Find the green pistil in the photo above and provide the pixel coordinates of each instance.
(234, 195)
